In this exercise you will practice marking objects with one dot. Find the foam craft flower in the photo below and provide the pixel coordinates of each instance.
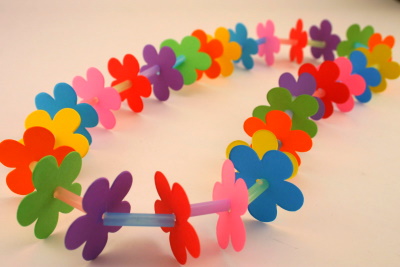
(305, 85)
(230, 224)
(139, 86)
(194, 59)
(274, 168)
(102, 99)
(63, 127)
(65, 97)
(302, 107)
(329, 89)
(98, 199)
(324, 34)
(41, 206)
(280, 124)
(182, 236)
(371, 76)
(380, 58)
(263, 141)
(249, 45)
(376, 39)
(354, 82)
(167, 77)
(355, 38)
(212, 47)
(272, 44)
(301, 39)
(38, 143)
(231, 51)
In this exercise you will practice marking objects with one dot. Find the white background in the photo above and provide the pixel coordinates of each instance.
(350, 178)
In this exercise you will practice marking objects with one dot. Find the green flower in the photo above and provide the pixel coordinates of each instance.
(41, 204)
(192, 58)
(355, 38)
(300, 109)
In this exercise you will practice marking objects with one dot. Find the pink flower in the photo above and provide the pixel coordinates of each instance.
(272, 44)
(230, 223)
(103, 99)
(354, 82)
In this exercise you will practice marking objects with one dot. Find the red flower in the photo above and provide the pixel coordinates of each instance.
(329, 90)
(214, 49)
(137, 85)
(38, 142)
(182, 236)
(280, 124)
(300, 37)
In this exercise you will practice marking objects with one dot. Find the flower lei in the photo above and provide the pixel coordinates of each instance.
(256, 174)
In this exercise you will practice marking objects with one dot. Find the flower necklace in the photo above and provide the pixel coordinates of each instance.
(256, 176)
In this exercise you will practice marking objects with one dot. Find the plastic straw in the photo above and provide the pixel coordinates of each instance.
(210, 207)
(180, 59)
(257, 189)
(138, 219)
(262, 40)
(150, 71)
(69, 198)
(319, 44)
(288, 41)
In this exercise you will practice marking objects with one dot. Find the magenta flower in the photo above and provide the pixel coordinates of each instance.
(272, 43)
(354, 82)
(98, 199)
(103, 99)
(324, 34)
(167, 76)
(230, 224)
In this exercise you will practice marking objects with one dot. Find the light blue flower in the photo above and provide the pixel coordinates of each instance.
(65, 97)
(275, 167)
(249, 45)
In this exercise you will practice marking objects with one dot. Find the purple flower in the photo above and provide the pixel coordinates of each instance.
(323, 34)
(98, 199)
(166, 77)
(305, 85)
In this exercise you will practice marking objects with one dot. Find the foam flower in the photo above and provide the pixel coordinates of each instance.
(324, 34)
(230, 224)
(65, 97)
(356, 37)
(167, 77)
(263, 141)
(41, 206)
(280, 124)
(371, 76)
(249, 45)
(62, 126)
(354, 82)
(231, 51)
(137, 86)
(306, 85)
(299, 39)
(274, 168)
(212, 47)
(98, 199)
(380, 58)
(38, 142)
(182, 236)
(194, 60)
(102, 99)
(302, 107)
(377, 38)
(271, 45)
(329, 89)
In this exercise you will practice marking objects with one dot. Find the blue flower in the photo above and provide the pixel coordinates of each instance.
(371, 75)
(274, 167)
(249, 45)
(65, 97)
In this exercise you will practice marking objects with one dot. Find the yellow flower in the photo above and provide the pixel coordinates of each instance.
(232, 51)
(381, 59)
(263, 141)
(63, 126)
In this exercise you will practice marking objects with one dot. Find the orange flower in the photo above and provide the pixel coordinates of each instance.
(280, 124)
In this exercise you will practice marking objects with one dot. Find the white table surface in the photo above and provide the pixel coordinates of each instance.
(350, 178)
